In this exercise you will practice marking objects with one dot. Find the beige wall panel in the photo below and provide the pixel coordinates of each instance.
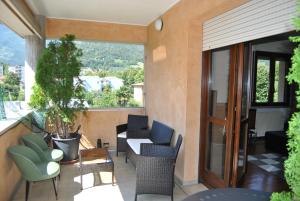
(173, 75)
(102, 124)
(88, 30)
(9, 173)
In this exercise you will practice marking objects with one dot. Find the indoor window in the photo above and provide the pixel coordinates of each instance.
(270, 87)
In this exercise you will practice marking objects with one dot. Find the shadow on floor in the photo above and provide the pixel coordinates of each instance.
(98, 186)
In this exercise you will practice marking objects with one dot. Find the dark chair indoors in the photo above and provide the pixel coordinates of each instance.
(32, 168)
(155, 169)
(276, 141)
(252, 134)
(134, 123)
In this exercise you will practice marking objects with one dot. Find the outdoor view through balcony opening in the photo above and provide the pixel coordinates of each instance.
(12, 84)
(112, 74)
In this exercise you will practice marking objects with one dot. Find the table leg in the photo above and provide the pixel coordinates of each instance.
(113, 174)
(81, 179)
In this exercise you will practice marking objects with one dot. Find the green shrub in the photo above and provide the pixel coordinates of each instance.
(56, 92)
(292, 164)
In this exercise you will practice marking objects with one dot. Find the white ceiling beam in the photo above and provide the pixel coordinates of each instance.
(20, 9)
(8, 18)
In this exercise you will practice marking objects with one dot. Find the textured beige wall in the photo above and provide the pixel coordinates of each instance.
(173, 75)
(9, 173)
(102, 124)
(173, 60)
(87, 30)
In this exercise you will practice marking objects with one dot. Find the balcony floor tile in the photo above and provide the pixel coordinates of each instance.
(98, 186)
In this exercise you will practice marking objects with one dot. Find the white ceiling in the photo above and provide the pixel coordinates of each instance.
(136, 12)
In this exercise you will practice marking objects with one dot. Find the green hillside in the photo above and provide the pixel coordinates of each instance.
(96, 55)
(12, 47)
(110, 56)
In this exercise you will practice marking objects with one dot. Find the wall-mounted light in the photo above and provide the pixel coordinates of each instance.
(158, 24)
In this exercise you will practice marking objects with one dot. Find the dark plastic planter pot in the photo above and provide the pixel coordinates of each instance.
(69, 146)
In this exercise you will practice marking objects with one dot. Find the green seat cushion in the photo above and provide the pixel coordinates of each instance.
(54, 155)
(48, 170)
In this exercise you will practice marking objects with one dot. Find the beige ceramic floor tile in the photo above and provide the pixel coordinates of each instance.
(97, 186)
(191, 189)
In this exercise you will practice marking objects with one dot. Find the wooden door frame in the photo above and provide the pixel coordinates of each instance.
(204, 111)
(203, 174)
(238, 112)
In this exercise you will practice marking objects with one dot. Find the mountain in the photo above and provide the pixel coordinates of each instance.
(12, 47)
(96, 55)
(110, 56)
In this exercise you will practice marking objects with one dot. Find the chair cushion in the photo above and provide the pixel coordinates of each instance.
(54, 154)
(135, 144)
(161, 133)
(49, 170)
(122, 135)
(137, 122)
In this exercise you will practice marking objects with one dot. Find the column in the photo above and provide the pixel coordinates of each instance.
(33, 48)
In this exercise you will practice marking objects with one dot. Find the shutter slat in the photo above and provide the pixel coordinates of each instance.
(253, 20)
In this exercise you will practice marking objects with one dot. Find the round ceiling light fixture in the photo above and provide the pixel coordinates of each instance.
(158, 24)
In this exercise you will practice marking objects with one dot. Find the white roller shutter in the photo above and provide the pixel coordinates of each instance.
(253, 20)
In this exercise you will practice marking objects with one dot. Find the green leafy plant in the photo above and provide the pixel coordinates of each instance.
(58, 90)
(11, 87)
(292, 164)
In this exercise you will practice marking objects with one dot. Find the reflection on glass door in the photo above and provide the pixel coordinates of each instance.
(241, 122)
(279, 81)
(217, 117)
(218, 104)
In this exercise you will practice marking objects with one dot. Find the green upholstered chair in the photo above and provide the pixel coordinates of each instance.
(38, 121)
(32, 168)
(37, 143)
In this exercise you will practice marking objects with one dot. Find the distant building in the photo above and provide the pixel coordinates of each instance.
(114, 82)
(85, 70)
(18, 70)
(95, 83)
(138, 93)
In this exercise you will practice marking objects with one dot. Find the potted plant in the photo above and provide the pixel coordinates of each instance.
(59, 92)
(292, 164)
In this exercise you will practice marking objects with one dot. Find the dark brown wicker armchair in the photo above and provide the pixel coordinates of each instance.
(134, 123)
(155, 169)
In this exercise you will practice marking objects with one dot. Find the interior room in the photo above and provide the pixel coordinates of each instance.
(272, 101)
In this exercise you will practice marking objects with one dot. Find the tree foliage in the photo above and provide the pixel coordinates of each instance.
(57, 67)
(122, 97)
(11, 87)
(124, 94)
(110, 56)
(262, 83)
(292, 164)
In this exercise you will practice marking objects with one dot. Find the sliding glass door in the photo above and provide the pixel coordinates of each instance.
(222, 74)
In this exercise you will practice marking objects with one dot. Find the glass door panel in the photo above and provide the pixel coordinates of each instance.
(218, 87)
(216, 149)
(262, 80)
(243, 119)
(218, 93)
(279, 81)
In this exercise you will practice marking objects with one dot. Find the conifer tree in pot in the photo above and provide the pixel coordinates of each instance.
(59, 92)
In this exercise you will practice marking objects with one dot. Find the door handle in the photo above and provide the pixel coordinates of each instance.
(224, 131)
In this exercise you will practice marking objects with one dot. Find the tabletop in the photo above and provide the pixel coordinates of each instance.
(230, 194)
(96, 155)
